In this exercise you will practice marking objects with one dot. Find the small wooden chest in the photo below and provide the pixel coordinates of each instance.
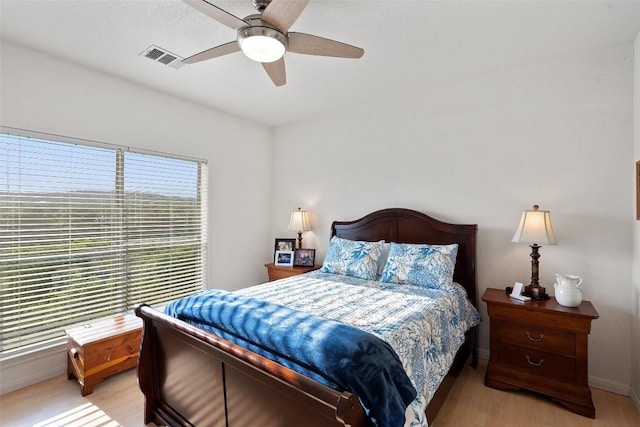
(101, 349)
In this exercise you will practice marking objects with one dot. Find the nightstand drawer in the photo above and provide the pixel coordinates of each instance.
(282, 274)
(277, 272)
(538, 362)
(537, 338)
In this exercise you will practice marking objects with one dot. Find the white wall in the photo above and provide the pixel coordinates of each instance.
(635, 320)
(558, 134)
(44, 94)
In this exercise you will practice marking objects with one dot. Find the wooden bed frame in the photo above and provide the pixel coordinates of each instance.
(190, 377)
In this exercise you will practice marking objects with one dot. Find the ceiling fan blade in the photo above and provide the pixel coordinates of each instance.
(308, 44)
(214, 52)
(283, 13)
(216, 13)
(276, 71)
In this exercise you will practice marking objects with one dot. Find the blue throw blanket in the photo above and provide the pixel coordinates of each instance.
(335, 354)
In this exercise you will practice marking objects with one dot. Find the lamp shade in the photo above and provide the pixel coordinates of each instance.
(535, 227)
(299, 221)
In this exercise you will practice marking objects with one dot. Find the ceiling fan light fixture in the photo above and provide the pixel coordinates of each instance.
(261, 43)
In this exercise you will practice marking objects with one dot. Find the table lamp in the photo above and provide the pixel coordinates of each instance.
(299, 222)
(535, 228)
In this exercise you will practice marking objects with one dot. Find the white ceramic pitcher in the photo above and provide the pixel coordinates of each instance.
(567, 292)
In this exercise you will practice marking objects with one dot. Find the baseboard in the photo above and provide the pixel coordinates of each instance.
(483, 353)
(635, 399)
(31, 368)
(608, 385)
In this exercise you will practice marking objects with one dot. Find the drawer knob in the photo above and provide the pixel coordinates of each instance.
(532, 363)
(539, 338)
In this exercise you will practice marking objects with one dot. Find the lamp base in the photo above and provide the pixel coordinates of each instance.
(538, 293)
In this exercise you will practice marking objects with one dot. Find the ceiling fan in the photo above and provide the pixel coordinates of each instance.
(265, 37)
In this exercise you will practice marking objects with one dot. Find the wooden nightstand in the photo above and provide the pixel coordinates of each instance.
(540, 346)
(101, 349)
(280, 271)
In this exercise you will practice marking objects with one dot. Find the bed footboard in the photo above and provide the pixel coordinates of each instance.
(191, 377)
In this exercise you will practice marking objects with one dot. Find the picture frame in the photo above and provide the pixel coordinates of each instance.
(304, 257)
(284, 258)
(284, 245)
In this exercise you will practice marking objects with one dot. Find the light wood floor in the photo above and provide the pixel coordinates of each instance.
(118, 402)
(471, 404)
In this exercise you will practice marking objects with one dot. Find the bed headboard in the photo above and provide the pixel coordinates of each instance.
(409, 226)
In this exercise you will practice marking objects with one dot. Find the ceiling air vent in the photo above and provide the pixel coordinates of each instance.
(163, 56)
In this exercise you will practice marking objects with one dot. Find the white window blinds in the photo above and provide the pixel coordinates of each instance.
(91, 231)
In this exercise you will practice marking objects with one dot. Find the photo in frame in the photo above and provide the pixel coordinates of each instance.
(304, 257)
(284, 258)
(285, 244)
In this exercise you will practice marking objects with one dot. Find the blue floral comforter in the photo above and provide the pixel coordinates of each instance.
(425, 327)
(338, 355)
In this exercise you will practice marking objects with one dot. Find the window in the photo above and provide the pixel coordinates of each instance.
(90, 230)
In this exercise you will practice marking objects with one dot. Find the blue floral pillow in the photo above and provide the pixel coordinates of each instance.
(352, 258)
(425, 265)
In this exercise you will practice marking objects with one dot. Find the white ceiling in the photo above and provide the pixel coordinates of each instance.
(409, 46)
